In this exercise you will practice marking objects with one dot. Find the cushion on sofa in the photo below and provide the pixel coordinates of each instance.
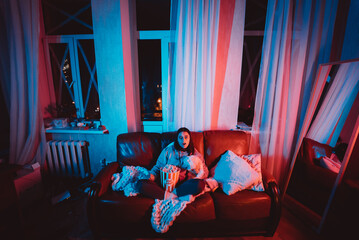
(255, 161)
(243, 205)
(217, 142)
(330, 163)
(202, 209)
(116, 207)
(235, 173)
(138, 148)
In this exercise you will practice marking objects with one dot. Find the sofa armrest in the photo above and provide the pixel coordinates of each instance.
(267, 178)
(319, 176)
(271, 187)
(102, 181)
(98, 187)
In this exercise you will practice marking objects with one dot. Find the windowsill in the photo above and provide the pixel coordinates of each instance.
(241, 126)
(80, 130)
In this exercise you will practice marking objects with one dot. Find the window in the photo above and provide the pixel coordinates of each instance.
(252, 50)
(153, 19)
(153, 25)
(149, 59)
(70, 58)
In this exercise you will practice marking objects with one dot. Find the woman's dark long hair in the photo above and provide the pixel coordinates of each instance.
(190, 148)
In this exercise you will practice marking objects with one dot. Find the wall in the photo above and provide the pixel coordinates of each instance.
(100, 147)
(115, 45)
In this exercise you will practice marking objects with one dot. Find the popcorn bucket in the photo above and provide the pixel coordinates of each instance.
(169, 177)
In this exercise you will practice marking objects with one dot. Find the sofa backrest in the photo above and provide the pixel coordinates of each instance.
(313, 150)
(143, 149)
(217, 142)
(138, 148)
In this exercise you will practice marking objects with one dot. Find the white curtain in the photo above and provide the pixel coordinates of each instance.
(19, 79)
(297, 38)
(205, 64)
(335, 108)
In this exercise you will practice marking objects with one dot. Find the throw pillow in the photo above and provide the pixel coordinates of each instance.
(255, 161)
(235, 173)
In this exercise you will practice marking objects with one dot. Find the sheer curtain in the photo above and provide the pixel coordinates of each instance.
(19, 79)
(297, 38)
(335, 108)
(205, 63)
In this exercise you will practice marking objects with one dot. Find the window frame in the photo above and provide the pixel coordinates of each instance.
(250, 31)
(72, 41)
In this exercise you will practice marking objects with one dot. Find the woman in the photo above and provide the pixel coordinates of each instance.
(180, 153)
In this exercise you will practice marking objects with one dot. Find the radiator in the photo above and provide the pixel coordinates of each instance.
(68, 158)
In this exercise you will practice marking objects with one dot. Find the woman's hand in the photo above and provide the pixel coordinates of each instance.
(152, 177)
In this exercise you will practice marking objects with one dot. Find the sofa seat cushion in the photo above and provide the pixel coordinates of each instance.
(319, 177)
(202, 209)
(139, 209)
(243, 205)
(116, 207)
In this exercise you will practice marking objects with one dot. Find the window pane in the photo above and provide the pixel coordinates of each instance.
(149, 57)
(153, 15)
(88, 76)
(62, 17)
(255, 15)
(62, 79)
(252, 50)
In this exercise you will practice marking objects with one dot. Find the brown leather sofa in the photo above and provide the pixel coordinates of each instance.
(111, 214)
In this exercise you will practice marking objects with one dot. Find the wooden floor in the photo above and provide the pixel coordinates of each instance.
(67, 220)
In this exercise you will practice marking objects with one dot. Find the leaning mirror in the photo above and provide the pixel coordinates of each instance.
(325, 141)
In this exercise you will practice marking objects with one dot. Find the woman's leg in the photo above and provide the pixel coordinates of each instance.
(150, 189)
(190, 187)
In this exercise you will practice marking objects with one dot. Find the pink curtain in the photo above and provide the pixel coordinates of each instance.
(205, 64)
(20, 79)
(297, 38)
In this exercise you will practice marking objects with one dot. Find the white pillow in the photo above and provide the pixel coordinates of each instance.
(255, 161)
(235, 173)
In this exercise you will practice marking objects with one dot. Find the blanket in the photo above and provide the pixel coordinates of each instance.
(164, 212)
(126, 180)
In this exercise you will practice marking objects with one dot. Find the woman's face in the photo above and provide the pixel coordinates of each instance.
(183, 139)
